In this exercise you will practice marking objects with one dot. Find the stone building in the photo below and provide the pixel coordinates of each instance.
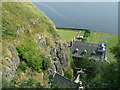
(96, 51)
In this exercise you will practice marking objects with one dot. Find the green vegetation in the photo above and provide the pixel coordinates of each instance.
(72, 65)
(86, 35)
(88, 66)
(116, 51)
(68, 75)
(22, 66)
(98, 74)
(48, 41)
(30, 83)
(15, 12)
(68, 35)
(110, 76)
(82, 33)
(101, 74)
(46, 64)
(28, 53)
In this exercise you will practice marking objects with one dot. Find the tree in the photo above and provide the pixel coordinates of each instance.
(116, 51)
(88, 66)
(72, 65)
(92, 71)
(110, 76)
(101, 74)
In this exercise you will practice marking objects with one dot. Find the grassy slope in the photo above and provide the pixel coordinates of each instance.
(15, 15)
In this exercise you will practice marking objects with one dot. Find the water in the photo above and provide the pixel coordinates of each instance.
(96, 16)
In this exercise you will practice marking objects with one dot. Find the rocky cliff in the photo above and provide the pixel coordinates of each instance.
(22, 21)
(10, 71)
(60, 59)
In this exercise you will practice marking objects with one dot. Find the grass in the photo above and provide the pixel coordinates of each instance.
(68, 35)
(82, 33)
(17, 14)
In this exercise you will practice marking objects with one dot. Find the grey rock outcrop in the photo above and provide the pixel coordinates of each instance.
(9, 72)
(58, 67)
(60, 58)
(41, 43)
(20, 31)
(37, 21)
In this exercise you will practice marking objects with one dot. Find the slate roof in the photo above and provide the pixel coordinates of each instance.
(82, 46)
(60, 80)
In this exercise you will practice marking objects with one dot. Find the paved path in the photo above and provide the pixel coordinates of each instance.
(110, 54)
(77, 80)
(79, 34)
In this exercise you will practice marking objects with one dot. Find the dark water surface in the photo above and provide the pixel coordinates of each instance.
(96, 16)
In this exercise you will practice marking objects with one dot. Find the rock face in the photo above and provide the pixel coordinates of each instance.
(41, 42)
(10, 71)
(60, 58)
